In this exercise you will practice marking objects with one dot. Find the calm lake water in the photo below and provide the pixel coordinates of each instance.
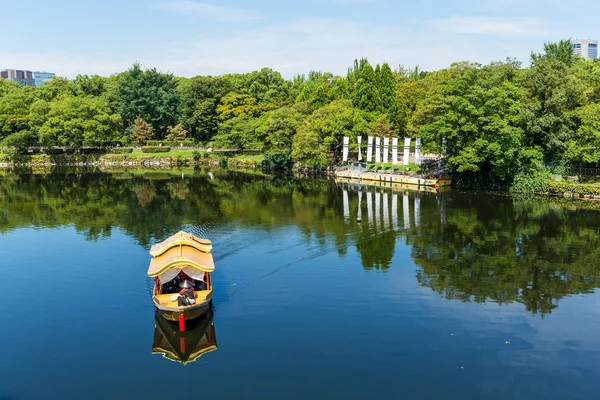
(459, 295)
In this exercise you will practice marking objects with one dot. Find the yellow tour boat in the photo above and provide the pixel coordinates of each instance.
(184, 347)
(181, 267)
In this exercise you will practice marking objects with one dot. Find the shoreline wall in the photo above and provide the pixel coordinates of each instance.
(119, 160)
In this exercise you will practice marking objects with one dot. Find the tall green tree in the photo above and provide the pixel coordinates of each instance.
(199, 98)
(366, 93)
(553, 95)
(148, 94)
(387, 88)
(561, 51)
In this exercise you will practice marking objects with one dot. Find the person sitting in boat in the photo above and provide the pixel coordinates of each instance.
(187, 294)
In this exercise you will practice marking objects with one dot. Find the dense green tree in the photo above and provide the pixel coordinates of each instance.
(588, 73)
(366, 93)
(148, 94)
(237, 133)
(199, 97)
(482, 119)
(20, 141)
(236, 105)
(561, 51)
(387, 87)
(583, 147)
(322, 134)
(277, 129)
(84, 85)
(14, 109)
(266, 86)
(304, 94)
(80, 121)
(340, 90)
(553, 95)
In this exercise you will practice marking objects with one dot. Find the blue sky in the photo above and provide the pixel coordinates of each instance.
(212, 37)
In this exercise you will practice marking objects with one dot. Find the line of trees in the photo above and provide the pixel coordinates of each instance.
(499, 119)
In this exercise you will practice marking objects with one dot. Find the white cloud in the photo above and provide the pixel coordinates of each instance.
(291, 48)
(498, 26)
(209, 11)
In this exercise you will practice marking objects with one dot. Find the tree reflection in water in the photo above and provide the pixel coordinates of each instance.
(468, 246)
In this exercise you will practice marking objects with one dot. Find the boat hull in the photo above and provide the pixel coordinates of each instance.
(172, 312)
(188, 313)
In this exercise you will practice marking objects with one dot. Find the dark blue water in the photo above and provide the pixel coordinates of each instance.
(454, 295)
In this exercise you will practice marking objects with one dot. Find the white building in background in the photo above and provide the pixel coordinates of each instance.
(41, 77)
(585, 48)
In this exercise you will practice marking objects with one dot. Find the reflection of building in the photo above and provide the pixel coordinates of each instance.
(184, 347)
(585, 48)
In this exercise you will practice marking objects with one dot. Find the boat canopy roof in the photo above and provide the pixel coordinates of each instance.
(182, 250)
(178, 239)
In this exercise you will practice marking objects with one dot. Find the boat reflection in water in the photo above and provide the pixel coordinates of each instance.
(184, 347)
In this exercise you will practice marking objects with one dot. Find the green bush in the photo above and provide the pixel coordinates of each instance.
(533, 181)
(155, 149)
(277, 161)
(189, 142)
(196, 155)
(121, 150)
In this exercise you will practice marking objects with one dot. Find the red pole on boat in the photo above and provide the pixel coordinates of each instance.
(182, 344)
(181, 323)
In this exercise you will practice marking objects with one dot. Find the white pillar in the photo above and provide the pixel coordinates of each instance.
(377, 149)
(394, 151)
(394, 210)
(346, 205)
(359, 139)
(369, 148)
(386, 212)
(406, 150)
(346, 144)
(406, 211)
(418, 152)
(386, 146)
(359, 214)
(377, 208)
(370, 208)
(417, 210)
